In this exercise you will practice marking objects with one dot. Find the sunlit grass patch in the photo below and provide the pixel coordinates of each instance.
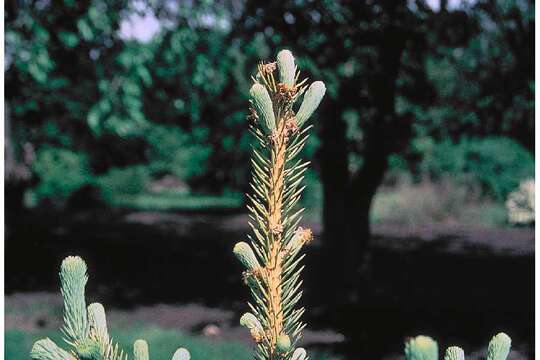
(172, 201)
(162, 344)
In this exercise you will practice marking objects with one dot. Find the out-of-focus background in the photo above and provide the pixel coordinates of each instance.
(126, 143)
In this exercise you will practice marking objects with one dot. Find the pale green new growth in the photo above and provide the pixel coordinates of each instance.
(140, 350)
(425, 348)
(499, 347)
(286, 67)
(312, 99)
(73, 280)
(46, 349)
(249, 321)
(181, 354)
(86, 328)
(299, 354)
(245, 255)
(300, 237)
(283, 343)
(263, 105)
(421, 348)
(454, 353)
(98, 325)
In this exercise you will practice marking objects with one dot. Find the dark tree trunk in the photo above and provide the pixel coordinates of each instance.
(335, 177)
(348, 198)
(387, 134)
(362, 188)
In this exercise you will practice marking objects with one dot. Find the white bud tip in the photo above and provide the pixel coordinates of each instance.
(299, 354)
(499, 347)
(140, 350)
(421, 347)
(454, 353)
(73, 263)
(249, 321)
(181, 354)
(286, 67)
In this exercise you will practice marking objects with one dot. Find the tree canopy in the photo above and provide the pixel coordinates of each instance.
(406, 83)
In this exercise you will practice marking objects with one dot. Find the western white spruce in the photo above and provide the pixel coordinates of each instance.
(272, 259)
(273, 256)
(85, 329)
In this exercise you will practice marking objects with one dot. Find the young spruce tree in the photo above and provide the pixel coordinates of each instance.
(273, 256)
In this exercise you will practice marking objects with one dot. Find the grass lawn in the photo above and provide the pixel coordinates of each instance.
(162, 344)
(174, 201)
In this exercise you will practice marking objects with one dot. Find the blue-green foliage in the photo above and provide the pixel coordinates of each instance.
(176, 152)
(120, 107)
(123, 181)
(60, 173)
(496, 164)
(72, 81)
(178, 99)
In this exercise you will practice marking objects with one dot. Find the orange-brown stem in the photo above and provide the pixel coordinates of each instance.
(275, 229)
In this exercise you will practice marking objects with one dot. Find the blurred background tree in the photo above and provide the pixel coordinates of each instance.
(428, 94)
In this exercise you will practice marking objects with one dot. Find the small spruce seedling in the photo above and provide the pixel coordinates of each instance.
(85, 328)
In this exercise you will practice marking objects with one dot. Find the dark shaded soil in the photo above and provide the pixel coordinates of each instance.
(461, 285)
(38, 311)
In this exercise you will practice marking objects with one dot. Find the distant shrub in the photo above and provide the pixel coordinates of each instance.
(407, 203)
(495, 164)
(176, 152)
(413, 204)
(123, 181)
(60, 173)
